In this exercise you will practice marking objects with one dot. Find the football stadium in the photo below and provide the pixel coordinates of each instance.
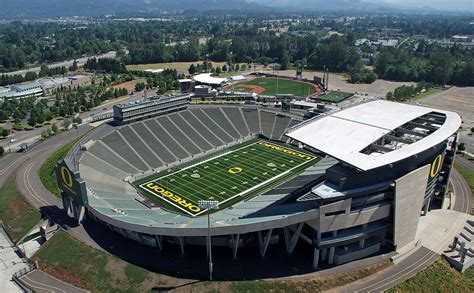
(348, 184)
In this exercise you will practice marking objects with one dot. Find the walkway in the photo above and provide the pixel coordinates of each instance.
(42, 282)
(10, 263)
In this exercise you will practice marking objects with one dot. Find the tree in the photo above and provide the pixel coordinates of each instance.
(140, 86)
(66, 123)
(32, 121)
(5, 132)
(54, 128)
(224, 68)
(192, 69)
(74, 66)
(218, 70)
(2, 151)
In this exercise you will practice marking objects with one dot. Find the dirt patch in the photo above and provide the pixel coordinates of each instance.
(116, 270)
(64, 275)
(253, 88)
(166, 282)
(15, 207)
(129, 85)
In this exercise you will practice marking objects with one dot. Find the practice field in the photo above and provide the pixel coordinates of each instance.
(268, 86)
(227, 178)
(333, 97)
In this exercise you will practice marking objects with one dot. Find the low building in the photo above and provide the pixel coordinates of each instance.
(150, 107)
(207, 79)
(25, 90)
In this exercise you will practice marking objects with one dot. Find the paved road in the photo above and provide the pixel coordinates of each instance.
(42, 282)
(67, 63)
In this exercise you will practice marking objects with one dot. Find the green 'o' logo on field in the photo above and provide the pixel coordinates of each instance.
(235, 170)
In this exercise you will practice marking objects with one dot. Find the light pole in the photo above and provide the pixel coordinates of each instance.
(209, 205)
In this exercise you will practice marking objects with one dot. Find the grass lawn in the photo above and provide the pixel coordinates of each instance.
(314, 284)
(285, 86)
(179, 66)
(439, 277)
(466, 173)
(428, 93)
(46, 172)
(228, 178)
(18, 215)
(74, 262)
(129, 85)
(333, 97)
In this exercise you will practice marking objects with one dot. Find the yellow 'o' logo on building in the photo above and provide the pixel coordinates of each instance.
(66, 176)
(436, 165)
(235, 170)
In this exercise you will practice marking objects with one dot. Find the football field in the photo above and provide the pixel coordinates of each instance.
(227, 178)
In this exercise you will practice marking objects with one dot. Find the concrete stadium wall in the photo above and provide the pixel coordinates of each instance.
(409, 193)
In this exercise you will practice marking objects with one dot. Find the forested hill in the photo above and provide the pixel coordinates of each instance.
(55, 8)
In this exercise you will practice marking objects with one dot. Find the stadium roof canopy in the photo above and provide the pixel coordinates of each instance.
(377, 133)
(206, 78)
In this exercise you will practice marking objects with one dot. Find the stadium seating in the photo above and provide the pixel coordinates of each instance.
(101, 151)
(140, 146)
(267, 120)
(115, 142)
(190, 132)
(220, 119)
(235, 116)
(163, 135)
(216, 128)
(281, 124)
(201, 128)
(252, 118)
(153, 142)
(181, 138)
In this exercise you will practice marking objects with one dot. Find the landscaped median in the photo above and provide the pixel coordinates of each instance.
(17, 214)
(46, 172)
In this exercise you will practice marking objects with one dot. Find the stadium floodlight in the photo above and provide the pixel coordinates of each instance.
(209, 205)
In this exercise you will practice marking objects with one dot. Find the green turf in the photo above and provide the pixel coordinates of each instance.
(333, 97)
(228, 178)
(18, 215)
(285, 86)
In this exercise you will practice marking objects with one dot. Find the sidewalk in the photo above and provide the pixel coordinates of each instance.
(10, 263)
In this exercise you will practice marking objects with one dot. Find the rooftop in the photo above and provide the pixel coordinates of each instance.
(206, 78)
(377, 133)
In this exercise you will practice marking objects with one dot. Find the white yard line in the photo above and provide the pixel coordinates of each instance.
(221, 155)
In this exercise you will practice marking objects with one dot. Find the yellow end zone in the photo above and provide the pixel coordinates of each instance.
(174, 199)
(286, 151)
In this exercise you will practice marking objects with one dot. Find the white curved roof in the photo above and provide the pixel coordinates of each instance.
(344, 134)
(206, 78)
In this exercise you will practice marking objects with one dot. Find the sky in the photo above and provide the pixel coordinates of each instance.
(438, 4)
(463, 5)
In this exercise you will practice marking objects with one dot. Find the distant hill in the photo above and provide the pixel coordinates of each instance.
(55, 8)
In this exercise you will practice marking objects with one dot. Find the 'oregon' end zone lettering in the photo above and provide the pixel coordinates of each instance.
(168, 195)
(286, 151)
